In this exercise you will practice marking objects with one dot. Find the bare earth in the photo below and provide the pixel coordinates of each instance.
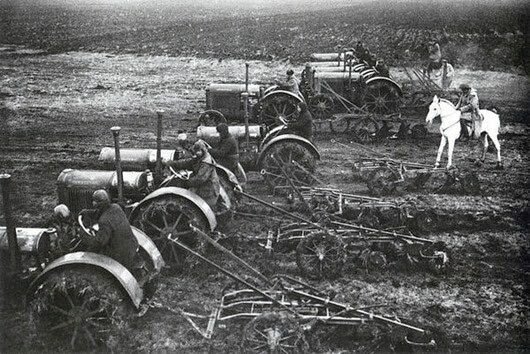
(56, 111)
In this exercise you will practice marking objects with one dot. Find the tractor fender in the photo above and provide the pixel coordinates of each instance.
(149, 247)
(284, 92)
(288, 137)
(117, 270)
(184, 193)
(386, 79)
(271, 135)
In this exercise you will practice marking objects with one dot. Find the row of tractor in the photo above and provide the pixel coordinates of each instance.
(84, 295)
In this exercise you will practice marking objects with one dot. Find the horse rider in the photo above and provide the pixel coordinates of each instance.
(114, 236)
(204, 180)
(468, 105)
(303, 126)
(227, 152)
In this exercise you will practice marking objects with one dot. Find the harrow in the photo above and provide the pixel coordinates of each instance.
(280, 312)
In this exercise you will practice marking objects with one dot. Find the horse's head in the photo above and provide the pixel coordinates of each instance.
(434, 110)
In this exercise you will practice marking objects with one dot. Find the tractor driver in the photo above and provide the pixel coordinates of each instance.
(468, 105)
(303, 126)
(227, 152)
(114, 236)
(204, 180)
(291, 83)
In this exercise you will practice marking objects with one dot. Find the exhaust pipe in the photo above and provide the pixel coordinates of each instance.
(158, 168)
(117, 159)
(245, 107)
(14, 249)
(246, 76)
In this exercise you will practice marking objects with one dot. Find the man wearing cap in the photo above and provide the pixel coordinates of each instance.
(227, 152)
(303, 126)
(114, 236)
(204, 180)
(291, 83)
(468, 104)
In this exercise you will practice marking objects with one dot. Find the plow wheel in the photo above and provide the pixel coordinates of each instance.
(279, 109)
(321, 106)
(294, 159)
(79, 306)
(381, 97)
(366, 130)
(382, 181)
(211, 118)
(171, 215)
(274, 332)
(320, 255)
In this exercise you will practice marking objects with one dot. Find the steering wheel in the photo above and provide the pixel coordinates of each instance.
(90, 230)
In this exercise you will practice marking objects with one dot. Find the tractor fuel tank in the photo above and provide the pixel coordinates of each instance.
(336, 76)
(34, 241)
(134, 159)
(330, 56)
(237, 131)
(75, 187)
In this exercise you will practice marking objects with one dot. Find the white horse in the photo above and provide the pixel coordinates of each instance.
(450, 128)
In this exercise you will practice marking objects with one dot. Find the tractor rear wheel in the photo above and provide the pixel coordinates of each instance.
(321, 106)
(171, 216)
(288, 158)
(80, 306)
(320, 255)
(274, 332)
(381, 97)
(278, 109)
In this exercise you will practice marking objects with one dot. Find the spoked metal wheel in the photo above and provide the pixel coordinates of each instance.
(211, 118)
(321, 106)
(365, 130)
(381, 97)
(340, 125)
(279, 109)
(80, 307)
(288, 158)
(170, 216)
(320, 255)
(382, 181)
(273, 332)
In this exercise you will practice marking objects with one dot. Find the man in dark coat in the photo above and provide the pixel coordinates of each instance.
(227, 151)
(114, 236)
(303, 126)
(204, 180)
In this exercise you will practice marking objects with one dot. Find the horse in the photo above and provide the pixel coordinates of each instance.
(450, 129)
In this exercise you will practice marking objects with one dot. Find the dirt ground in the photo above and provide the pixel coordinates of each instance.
(56, 111)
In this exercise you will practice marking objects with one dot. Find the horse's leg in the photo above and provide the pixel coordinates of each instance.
(450, 147)
(485, 147)
(440, 151)
(495, 140)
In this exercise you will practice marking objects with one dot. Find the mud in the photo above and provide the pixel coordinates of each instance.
(56, 113)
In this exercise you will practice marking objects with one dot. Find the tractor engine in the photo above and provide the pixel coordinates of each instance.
(75, 187)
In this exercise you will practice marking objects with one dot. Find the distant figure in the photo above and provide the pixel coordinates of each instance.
(435, 57)
(468, 105)
(303, 126)
(382, 68)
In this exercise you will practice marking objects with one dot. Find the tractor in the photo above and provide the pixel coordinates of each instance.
(341, 83)
(266, 105)
(73, 296)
